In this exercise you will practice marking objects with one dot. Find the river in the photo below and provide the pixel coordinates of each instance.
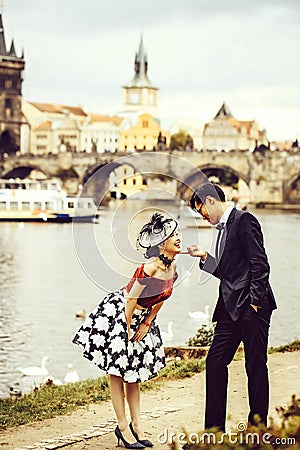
(43, 285)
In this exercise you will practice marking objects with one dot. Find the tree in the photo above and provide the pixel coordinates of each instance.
(181, 141)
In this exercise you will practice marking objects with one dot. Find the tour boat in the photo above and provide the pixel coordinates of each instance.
(26, 200)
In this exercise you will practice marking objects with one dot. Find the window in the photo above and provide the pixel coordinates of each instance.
(13, 205)
(134, 97)
(26, 205)
(8, 108)
(151, 98)
(15, 85)
(145, 124)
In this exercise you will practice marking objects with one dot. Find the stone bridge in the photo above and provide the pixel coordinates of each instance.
(272, 177)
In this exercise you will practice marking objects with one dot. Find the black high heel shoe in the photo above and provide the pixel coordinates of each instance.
(120, 437)
(145, 442)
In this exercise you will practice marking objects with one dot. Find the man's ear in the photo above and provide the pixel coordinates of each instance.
(210, 200)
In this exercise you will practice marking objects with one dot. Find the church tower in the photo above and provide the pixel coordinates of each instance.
(11, 69)
(139, 95)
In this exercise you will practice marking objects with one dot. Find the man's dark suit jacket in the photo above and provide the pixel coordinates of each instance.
(243, 268)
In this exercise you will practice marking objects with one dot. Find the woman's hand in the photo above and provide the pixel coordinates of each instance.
(141, 332)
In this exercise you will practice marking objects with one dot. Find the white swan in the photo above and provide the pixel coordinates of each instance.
(35, 371)
(168, 336)
(72, 375)
(203, 316)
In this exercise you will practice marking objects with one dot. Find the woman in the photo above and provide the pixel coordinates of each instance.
(121, 335)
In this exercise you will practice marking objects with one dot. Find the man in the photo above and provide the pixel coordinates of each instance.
(244, 304)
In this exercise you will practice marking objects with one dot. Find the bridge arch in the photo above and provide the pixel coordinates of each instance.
(25, 172)
(291, 191)
(120, 178)
(236, 186)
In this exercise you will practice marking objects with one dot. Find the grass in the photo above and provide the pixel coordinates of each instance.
(51, 401)
(290, 347)
(282, 433)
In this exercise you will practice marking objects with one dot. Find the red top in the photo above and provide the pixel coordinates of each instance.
(155, 289)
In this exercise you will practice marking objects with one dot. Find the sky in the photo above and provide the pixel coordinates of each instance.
(200, 54)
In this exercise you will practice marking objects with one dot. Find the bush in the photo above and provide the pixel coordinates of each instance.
(284, 435)
(203, 337)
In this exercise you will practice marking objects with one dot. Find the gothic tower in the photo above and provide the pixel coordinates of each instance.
(11, 68)
(140, 95)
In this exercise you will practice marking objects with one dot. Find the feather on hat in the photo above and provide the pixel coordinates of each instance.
(156, 231)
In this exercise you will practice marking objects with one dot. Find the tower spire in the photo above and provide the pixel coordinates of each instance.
(2, 38)
(12, 51)
(141, 68)
(139, 94)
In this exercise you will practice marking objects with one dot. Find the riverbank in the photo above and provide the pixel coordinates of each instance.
(174, 405)
(276, 206)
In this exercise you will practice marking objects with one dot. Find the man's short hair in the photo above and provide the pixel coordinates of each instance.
(206, 190)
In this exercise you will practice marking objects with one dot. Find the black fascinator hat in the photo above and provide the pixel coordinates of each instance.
(155, 232)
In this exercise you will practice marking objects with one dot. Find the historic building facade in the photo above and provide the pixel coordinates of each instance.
(142, 132)
(60, 128)
(54, 128)
(225, 132)
(11, 77)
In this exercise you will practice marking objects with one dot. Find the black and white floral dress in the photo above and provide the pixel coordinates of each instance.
(103, 337)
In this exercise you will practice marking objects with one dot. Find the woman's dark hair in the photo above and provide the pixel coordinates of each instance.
(152, 251)
(206, 190)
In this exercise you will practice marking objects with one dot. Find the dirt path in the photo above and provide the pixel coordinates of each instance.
(176, 405)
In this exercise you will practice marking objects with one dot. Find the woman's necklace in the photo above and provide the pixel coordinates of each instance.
(165, 260)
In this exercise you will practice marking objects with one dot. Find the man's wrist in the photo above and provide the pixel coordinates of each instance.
(203, 257)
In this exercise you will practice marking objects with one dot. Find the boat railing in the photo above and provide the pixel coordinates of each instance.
(27, 184)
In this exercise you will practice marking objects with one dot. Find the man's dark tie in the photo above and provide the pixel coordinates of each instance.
(220, 227)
